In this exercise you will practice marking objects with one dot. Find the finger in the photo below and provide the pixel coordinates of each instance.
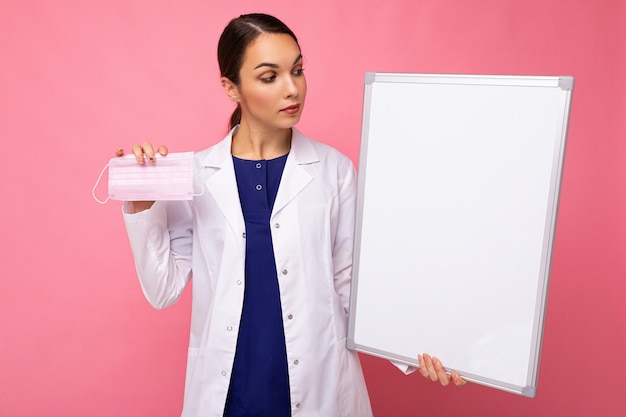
(119, 152)
(444, 379)
(456, 378)
(148, 150)
(138, 152)
(432, 373)
(163, 150)
(422, 366)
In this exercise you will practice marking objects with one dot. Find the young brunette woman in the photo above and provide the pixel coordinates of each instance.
(269, 246)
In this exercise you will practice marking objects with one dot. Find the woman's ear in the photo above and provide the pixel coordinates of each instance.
(231, 89)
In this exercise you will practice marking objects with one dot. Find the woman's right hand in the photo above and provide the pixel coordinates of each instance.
(141, 152)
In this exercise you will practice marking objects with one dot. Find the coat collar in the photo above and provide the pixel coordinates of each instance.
(302, 151)
(222, 185)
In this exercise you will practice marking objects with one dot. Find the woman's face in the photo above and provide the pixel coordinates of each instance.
(272, 86)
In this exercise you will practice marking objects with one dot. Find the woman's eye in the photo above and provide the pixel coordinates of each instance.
(298, 71)
(268, 79)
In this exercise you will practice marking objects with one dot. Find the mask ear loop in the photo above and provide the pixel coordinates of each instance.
(93, 190)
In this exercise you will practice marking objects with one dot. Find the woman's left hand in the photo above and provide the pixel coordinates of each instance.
(432, 368)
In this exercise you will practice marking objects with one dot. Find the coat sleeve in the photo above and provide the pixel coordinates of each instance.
(343, 244)
(161, 242)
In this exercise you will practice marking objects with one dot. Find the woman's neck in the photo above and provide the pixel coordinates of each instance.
(254, 144)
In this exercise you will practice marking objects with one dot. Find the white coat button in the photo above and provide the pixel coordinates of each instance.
(229, 328)
(238, 282)
(296, 362)
(243, 235)
(223, 373)
(298, 405)
(259, 187)
(258, 165)
(277, 225)
(290, 316)
(285, 272)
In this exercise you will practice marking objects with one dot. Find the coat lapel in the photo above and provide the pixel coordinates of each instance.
(295, 178)
(222, 184)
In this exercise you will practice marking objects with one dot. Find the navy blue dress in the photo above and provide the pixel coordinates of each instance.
(259, 385)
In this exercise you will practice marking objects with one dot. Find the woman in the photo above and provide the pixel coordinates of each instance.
(269, 245)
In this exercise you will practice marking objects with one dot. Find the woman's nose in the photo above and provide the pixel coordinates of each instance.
(291, 89)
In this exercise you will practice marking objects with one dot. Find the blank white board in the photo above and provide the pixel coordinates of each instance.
(459, 178)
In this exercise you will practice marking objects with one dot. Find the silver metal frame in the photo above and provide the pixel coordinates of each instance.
(564, 83)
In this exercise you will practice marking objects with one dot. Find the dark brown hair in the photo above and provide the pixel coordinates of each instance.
(234, 41)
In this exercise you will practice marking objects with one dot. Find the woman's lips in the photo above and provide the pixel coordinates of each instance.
(293, 109)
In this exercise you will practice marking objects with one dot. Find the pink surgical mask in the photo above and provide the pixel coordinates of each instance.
(169, 178)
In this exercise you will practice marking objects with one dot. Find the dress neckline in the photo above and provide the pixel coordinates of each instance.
(260, 160)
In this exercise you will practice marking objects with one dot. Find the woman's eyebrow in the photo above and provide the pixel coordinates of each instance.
(266, 64)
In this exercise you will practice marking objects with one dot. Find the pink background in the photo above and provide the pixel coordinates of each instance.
(78, 80)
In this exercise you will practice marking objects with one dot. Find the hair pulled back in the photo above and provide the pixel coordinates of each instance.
(234, 41)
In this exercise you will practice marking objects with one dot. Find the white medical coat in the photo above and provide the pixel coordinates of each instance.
(312, 225)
